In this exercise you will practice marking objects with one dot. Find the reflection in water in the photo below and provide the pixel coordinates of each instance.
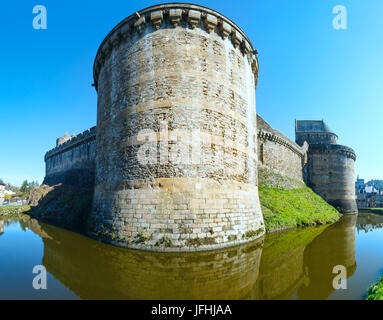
(369, 222)
(334, 246)
(1, 227)
(294, 264)
(281, 270)
(94, 270)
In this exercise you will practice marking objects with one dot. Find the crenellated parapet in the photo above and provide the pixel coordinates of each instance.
(333, 148)
(265, 135)
(175, 15)
(72, 142)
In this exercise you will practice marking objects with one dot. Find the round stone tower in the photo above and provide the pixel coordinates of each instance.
(176, 165)
(330, 171)
(330, 167)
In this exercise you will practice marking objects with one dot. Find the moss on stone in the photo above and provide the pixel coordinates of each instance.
(252, 233)
(200, 242)
(232, 238)
(164, 242)
(140, 238)
(296, 207)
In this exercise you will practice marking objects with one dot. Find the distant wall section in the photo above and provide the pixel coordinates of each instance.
(281, 161)
(72, 161)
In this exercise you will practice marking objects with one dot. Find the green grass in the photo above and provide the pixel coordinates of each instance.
(375, 291)
(13, 209)
(296, 207)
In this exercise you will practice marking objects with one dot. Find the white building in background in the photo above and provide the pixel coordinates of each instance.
(9, 192)
(2, 191)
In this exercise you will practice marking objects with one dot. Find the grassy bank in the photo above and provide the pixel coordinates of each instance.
(5, 210)
(296, 207)
(375, 291)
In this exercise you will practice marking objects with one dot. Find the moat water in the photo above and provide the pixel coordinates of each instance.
(295, 264)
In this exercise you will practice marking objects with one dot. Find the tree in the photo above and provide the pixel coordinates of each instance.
(25, 187)
(33, 184)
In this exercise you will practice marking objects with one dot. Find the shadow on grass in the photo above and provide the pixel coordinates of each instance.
(63, 205)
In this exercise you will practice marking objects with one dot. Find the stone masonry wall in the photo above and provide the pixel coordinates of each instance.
(330, 173)
(280, 160)
(176, 80)
(316, 138)
(72, 162)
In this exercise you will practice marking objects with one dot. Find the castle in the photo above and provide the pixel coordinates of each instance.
(178, 149)
(330, 167)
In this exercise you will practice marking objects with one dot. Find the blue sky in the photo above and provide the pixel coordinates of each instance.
(308, 70)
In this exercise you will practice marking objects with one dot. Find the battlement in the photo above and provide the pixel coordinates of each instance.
(333, 148)
(68, 143)
(265, 135)
(175, 15)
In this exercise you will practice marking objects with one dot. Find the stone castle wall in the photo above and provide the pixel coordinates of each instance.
(316, 138)
(330, 173)
(277, 156)
(164, 76)
(178, 150)
(280, 161)
(73, 161)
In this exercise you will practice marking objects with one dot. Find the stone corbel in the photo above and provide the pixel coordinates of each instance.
(175, 16)
(139, 25)
(236, 38)
(193, 18)
(245, 48)
(106, 49)
(156, 17)
(210, 22)
(125, 29)
(115, 39)
(100, 58)
(225, 29)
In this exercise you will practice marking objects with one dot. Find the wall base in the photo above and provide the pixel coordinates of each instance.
(344, 206)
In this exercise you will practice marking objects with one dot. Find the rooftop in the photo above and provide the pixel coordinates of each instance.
(311, 126)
